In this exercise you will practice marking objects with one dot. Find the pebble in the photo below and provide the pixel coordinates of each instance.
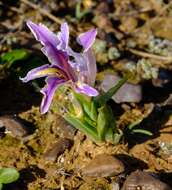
(103, 165)
(57, 149)
(115, 186)
(140, 180)
(60, 126)
(134, 92)
(13, 126)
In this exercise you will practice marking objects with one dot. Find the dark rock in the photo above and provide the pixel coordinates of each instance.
(140, 180)
(60, 126)
(103, 165)
(57, 149)
(13, 126)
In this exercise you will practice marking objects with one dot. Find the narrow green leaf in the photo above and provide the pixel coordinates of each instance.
(78, 13)
(135, 123)
(89, 121)
(83, 126)
(8, 175)
(142, 131)
(106, 124)
(109, 135)
(102, 99)
(93, 112)
(89, 106)
(102, 122)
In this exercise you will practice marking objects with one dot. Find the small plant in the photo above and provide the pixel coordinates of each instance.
(8, 175)
(11, 57)
(70, 83)
(133, 128)
(78, 13)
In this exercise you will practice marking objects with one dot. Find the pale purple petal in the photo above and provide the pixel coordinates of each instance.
(63, 37)
(43, 34)
(91, 66)
(50, 42)
(55, 56)
(33, 74)
(48, 92)
(85, 65)
(59, 59)
(87, 39)
(86, 89)
(79, 63)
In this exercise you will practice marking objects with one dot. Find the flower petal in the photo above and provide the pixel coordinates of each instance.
(48, 92)
(44, 71)
(55, 57)
(91, 66)
(36, 73)
(63, 37)
(86, 89)
(60, 59)
(79, 63)
(50, 41)
(43, 34)
(85, 65)
(87, 39)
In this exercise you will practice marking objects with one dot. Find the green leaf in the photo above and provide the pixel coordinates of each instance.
(1, 186)
(102, 122)
(109, 135)
(93, 112)
(83, 126)
(143, 131)
(8, 175)
(88, 105)
(113, 137)
(102, 99)
(15, 55)
(106, 124)
(135, 123)
(78, 13)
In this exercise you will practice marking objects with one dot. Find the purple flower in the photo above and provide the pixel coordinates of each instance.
(81, 71)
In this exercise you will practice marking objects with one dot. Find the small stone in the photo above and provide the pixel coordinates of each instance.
(113, 53)
(103, 165)
(60, 126)
(134, 92)
(140, 180)
(13, 126)
(57, 149)
(115, 186)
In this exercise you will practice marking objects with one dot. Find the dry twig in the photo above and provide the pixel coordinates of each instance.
(42, 11)
(131, 13)
(152, 56)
